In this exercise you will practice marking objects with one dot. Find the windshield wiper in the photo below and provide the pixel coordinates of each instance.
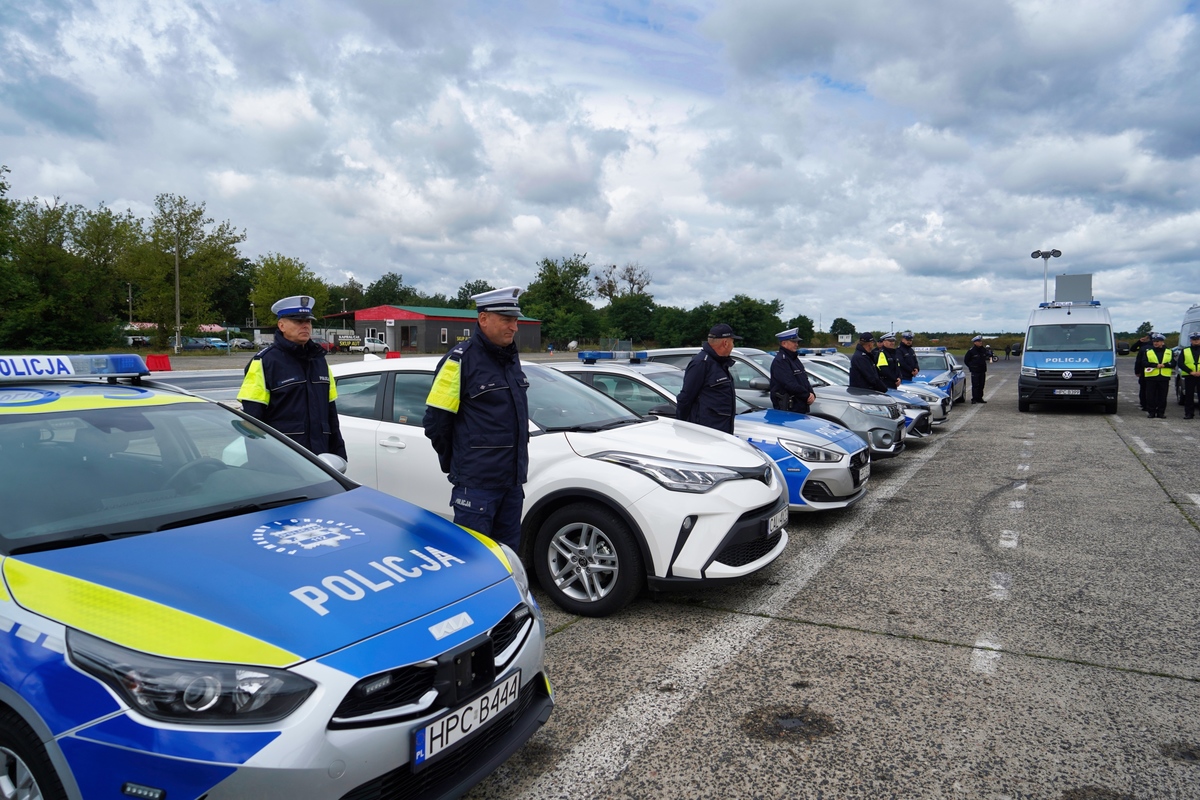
(225, 513)
(595, 427)
(73, 541)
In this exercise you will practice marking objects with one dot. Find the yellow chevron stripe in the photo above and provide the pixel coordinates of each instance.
(135, 622)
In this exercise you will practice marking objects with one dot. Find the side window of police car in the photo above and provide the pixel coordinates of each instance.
(742, 374)
(358, 395)
(408, 397)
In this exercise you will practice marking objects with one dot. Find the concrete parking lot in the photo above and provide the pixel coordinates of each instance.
(1010, 613)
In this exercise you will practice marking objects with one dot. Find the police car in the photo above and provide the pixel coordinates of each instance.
(613, 502)
(825, 465)
(941, 370)
(916, 397)
(193, 606)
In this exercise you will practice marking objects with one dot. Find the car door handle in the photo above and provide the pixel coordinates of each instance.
(392, 442)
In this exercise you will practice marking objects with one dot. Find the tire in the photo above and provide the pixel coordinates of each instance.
(24, 763)
(586, 559)
(1023, 405)
(1111, 407)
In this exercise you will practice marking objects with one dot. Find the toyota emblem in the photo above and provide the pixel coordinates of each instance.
(1066, 375)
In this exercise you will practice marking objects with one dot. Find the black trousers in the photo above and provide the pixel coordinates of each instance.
(1142, 392)
(977, 381)
(1156, 395)
(1190, 387)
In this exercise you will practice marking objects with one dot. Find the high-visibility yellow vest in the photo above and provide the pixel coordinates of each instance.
(1189, 360)
(1156, 369)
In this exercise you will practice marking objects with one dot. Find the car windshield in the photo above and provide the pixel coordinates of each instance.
(558, 402)
(672, 381)
(835, 375)
(932, 363)
(1067, 337)
(100, 473)
(762, 359)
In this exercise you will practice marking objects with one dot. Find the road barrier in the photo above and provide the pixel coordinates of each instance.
(158, 362)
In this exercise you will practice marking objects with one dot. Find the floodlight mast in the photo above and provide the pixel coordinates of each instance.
(1045, 256)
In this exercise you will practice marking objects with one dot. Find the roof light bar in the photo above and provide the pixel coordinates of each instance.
(592, 356)
(37, 367)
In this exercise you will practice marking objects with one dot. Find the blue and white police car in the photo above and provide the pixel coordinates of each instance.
(193, 606)
(825, 465)
(941, 370)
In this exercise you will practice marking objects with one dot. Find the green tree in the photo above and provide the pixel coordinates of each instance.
(278, 276)
(805, 326)
(558, 297)
(231, 301)
(630, 279)
(351, 291)
(631, 316)
(181, 238)
(841, 326)
(670, 326)
(8, 214)
(389, 290)
(469, 289)
(1144, 329)
(756, 321)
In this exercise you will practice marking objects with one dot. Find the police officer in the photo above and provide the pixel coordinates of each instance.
(909, 365)
(708, 397)
(888, 361)
(477, 417)
(289, 386)
(1189, 362)
(790, 388)
(1139, 368)
(863, 372)
(976, 360)
(1157, 372)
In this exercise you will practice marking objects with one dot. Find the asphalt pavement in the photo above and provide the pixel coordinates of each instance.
(1010, 613)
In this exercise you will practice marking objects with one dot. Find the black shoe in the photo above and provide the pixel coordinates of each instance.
(1151, 415)
(1162, 416)
(1187, 416)
(973, 402)
(983, 401)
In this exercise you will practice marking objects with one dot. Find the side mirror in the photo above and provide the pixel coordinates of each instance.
(761, 384)
(335, 461)
(662, 410)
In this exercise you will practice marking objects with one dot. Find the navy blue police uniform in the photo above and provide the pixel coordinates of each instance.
(863, 372)
(976, 360)
(1189, 362)
(1158, 366)
(708, 397)
(790, 387)
(909, 364)
(477, 417)
(288, 386)
(888, 363)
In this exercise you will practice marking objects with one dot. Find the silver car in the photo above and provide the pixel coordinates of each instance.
(938, 402)
(876, 418)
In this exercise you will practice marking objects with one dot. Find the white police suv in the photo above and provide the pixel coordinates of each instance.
(193, 606)
(613, 501)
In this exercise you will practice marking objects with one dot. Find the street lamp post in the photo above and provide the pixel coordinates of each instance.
(343, 299)
(1045, 256)
(130, 286)
(253, 319)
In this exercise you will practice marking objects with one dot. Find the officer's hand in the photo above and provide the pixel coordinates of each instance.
(812, 398)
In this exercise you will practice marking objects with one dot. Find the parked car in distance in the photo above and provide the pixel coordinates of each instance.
(919, 399)
(242, 344)
(217, 342)
(825, 465)
(195, 343)
(370, 345)
(613, 501)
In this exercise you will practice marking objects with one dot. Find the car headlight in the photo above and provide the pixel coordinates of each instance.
(871, 408)
(939, 382)
(1029, 372)
(678, 476)
(1107, 372)
(808, 452)
(190, 692)
(518, 569)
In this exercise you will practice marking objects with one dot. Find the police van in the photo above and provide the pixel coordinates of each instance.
(1069, 356)
(1191, 324)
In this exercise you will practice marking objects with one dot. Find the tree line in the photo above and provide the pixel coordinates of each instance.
(72, 278)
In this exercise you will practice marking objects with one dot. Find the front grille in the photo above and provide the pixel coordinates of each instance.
(857, 462)
(895, 412)
(1076, 374)
(406, 686)
(743, 553)
(437, 778)
(817, 492)
(506, 630)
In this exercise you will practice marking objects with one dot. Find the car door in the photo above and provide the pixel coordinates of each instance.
(359, 405)
(406, 463)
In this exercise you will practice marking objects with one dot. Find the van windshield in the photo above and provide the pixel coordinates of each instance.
(1073, 338)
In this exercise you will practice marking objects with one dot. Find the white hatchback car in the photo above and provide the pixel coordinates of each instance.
(370, 345)
(613, 501)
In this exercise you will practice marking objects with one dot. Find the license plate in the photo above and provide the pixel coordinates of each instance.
(864, 472)
(446, 731)
(1067, 391)
(777, 521)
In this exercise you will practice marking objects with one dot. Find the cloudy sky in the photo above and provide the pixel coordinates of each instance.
(893, 163)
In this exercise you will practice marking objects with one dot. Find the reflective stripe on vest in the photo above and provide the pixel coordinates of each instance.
(1158, 369)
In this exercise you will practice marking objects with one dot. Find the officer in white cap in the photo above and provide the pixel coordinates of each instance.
(477, 417)
(790, 387)
(976, 360)
(888, 361)
(288, 384)
(909, 365)
(1157, 370)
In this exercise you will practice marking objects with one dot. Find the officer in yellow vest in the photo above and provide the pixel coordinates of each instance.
(1189, 363)
(1157, 373)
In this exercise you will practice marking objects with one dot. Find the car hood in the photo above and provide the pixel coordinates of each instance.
(908, 397)
(668, 438)
(930, 375)
(923, 391)
(770, 424)
(273, 587)
(847, 394)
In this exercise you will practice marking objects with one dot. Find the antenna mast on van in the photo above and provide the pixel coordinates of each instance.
(1045, 255)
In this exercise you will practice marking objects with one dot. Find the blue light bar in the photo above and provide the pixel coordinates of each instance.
(592, 356)
(39, 367)
(930, 349)
(1068, 303)
(817, 351)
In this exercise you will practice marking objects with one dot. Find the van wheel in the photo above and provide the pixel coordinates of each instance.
(1022, 405)
(25, 770)
(586, 559)
(1110, 407)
